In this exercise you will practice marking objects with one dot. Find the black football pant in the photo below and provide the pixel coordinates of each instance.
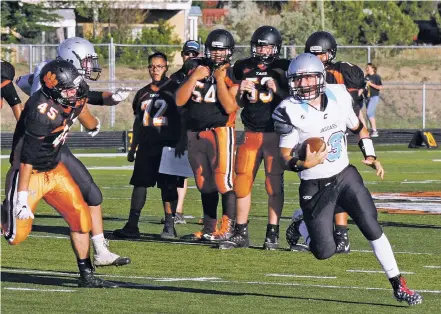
(91, 193)
(318, 200)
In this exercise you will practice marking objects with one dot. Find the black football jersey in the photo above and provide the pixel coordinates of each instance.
(43, 127)
(259, 106)
(204, 109)
(155, 107)
(345, 73)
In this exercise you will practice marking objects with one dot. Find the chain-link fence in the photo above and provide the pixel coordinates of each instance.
(411, 75)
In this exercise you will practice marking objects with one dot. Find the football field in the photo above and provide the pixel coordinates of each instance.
(40, 275)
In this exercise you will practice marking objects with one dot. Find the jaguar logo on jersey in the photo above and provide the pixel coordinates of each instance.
(329, 127)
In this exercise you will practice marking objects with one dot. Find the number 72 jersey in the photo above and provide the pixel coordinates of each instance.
(156, 109)
(329, 124)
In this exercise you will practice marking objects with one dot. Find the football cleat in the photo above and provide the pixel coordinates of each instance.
(237, 241)
(88, 280)
(292, 232)
(341, 238)
(300, 247)
(108, 258)
(169, 232)
(272, 238)
(179, 219)
(197, 236)
(403, 293)
(225, 231)
(127, 233)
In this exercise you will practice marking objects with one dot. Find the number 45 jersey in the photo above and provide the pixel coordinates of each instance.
(155, 107)
(330, 124)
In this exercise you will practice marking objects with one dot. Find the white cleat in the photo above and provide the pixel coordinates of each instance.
(107, 258)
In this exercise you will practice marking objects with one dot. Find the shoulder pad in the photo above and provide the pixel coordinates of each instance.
(280, 114)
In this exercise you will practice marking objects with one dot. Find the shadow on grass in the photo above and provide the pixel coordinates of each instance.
(70, 282)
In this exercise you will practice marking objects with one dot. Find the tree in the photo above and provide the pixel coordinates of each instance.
(24, 21)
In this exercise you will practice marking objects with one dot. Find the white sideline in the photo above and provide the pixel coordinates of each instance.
(40, 290)
(376, 271)
(101, 155)
(217, 280)
(300, 276)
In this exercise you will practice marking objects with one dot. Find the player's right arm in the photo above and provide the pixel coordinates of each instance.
(185, 90)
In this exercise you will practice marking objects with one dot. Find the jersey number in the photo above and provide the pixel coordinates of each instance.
(51, 114)
(158, 119)
(335, 142)
(255, 96)
(210, 96)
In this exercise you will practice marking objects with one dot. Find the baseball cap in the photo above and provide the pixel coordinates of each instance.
(191, 45)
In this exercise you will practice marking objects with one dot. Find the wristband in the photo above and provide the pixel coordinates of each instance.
(367, 148)
(22, 197)
(292, 165)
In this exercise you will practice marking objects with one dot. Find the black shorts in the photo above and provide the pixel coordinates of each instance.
(146, 171)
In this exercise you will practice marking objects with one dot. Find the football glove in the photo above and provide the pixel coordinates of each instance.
(96, 130)
(121, 94)
(21, 207)
(131, 156)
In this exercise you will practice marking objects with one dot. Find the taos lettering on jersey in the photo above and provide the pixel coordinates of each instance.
(261, 73)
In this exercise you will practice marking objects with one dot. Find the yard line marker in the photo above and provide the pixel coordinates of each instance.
(437, 160)
(300, 276)
(376, 271)
(39, 290)
(432, 266)
(206, 243)
(218, 280)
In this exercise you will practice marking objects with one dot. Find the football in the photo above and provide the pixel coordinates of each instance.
(316, 144)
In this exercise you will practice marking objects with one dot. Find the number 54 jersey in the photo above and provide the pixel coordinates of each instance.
(329, 124)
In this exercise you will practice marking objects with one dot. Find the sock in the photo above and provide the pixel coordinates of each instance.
(341, 228)
(209, 204)
(304, 232)
(84, 266)
(139, 196)
(169, 219)
(385, 256)
(229, 204)
(98, 244)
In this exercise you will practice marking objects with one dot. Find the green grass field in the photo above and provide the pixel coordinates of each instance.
(39, 275)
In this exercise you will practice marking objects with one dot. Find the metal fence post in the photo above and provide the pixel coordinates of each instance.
(285, 54)
(112, 79)
(31, 70)
(369, 54)
(424, 105)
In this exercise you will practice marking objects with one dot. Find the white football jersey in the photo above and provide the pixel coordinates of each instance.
(330, 125)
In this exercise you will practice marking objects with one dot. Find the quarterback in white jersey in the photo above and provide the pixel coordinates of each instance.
(329, 125)
(327, 179)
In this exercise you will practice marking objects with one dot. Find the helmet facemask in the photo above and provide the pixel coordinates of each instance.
(89, 66)
(217, 57)
(310, 91)
(265, 58)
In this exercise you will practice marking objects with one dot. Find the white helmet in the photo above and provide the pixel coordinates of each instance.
(81, 53)
(306, 65)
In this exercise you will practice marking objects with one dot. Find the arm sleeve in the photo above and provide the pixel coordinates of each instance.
(95, 98)
(10, 94)
(135, 103)
(36, 129)
(36, 82)
(352, 121)
(25, 83)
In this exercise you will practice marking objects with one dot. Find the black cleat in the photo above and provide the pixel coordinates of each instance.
(403, 293)
(272, 238)
(169, 232)
(88, 280)
(127, 233)
(300, 247)
(237, 241)
(341, 238)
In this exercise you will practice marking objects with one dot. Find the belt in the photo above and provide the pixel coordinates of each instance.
(201, 130)
(352, 89)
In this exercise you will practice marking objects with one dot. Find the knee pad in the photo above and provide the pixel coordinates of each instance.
(93, 196)
(274, 184)
(169, 194)
(243, 184)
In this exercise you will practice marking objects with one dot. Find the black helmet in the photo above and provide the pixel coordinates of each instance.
(266, 36)
(321, 42)
(59, 76)
(219, 39)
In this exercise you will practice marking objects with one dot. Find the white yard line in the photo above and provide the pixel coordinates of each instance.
(39, 290)
(432, 267)
(217, 280)
(100, 155)
(375, 271)
(300, 276)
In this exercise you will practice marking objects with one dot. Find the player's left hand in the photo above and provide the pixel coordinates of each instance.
(131, 156)
(121, 94)
(271, 84)
(96, 130)
(374, 164)
(221, 72)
